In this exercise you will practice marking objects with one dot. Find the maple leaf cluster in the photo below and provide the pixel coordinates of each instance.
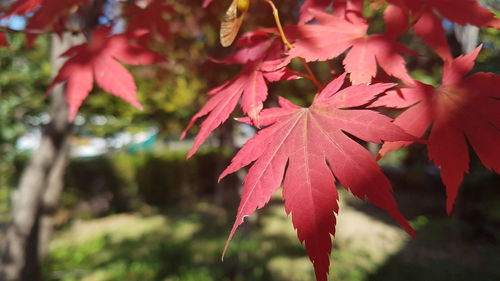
(308, 150)
(97, 60)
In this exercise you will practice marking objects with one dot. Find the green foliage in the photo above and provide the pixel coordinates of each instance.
(489, 59)
(184, 244)
(181, 247)
(25, 73)
(132, 180)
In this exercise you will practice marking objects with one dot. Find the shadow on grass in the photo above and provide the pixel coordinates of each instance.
(444, 250)
(179, 248)
(463, 246)
(186, 244)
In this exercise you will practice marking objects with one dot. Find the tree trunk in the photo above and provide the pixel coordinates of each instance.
(39, 187)
(50, 200)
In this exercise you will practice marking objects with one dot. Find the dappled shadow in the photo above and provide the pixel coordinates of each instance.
(187, 242)
(187, 246)
(416, 191)
(464, 246)
(443, 250)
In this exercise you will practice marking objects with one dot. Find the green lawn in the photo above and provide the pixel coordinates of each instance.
(186, 245)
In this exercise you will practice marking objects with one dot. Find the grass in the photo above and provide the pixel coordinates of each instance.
(186, 245)
(444, 250)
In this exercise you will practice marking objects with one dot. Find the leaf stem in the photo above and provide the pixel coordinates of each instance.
(311, 75)
(278, 24)
(303, 75)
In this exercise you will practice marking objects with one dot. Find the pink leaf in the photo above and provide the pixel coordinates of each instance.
(461, 108)
(99, 60)
(306, 149)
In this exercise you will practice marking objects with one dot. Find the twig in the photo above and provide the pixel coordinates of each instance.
(303, 75)
(278, 24)
(311, 75)
(6, 29)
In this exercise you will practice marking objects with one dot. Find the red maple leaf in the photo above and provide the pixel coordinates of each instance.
(150, 18)
(49, 12)
(206, 3)
(305, 16)
(22, 7)
(313, 146)
(428, 25)
(3, 39)
(259, 65)
(334, 35)
(461, 109)
(99, 60)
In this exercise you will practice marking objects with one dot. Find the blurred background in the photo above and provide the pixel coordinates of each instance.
(132, 207)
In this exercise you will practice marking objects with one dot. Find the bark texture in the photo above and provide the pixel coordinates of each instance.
(40, 186)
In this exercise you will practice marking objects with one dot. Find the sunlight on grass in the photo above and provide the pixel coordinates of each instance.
(185, 247)
(117, 228)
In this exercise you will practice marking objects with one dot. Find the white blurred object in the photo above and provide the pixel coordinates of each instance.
(92, 147)
(30, 141)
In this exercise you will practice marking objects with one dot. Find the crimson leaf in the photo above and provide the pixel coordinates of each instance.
(99, 60)
(308, 149)
(461, 109)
